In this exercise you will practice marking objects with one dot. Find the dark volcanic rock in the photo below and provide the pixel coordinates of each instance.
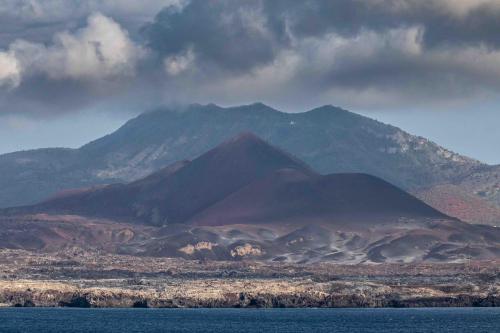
(76, 302)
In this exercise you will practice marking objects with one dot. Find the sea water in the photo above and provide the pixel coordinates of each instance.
(45, 320)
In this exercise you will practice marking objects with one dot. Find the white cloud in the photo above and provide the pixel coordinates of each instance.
(9, 70)
(101, 50)
(175, 65)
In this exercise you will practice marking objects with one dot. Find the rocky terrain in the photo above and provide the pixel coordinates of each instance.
(407, 241)
(90, 279)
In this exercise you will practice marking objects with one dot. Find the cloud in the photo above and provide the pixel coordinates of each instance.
(39, 20)
(381, 53)
(100, 50)
(355, 53)
(177, 64)
(94, 64)
(233, 36)
(50, 11)
(9, 70)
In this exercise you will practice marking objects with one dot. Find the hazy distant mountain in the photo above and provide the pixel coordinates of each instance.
(328, 138)
(246, 199)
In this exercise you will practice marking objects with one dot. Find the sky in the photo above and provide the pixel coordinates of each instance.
(74, 70)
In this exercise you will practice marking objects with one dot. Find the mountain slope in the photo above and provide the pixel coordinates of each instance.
(484, 183)
(458, 201)
(174, 194)
(329, 139)
(29, 176)
(291, 196)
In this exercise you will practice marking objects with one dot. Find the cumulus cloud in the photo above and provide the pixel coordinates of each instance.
(9, 70)
(93, 64)
(177, 64)
(100, 50)
(39, 20)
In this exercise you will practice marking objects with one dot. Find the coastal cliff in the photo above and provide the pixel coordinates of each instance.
(92, 280)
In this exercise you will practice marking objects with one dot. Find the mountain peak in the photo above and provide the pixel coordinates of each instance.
(246, 138)
(176, 193)
(329, 109)
(204, 106)
(260, 105)
(213, 106)
(247, 146)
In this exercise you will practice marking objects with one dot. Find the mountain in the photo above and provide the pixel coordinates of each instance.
(474, 197)
(246, 199)
(329, 139)
(292, 196)
(242, 180)
(462, 202)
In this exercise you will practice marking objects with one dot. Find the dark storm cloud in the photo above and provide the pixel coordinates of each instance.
(227, 32)
(234, 35)
(400, 51)
(445, 22)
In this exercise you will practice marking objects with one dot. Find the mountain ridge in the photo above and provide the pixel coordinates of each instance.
(328, 138)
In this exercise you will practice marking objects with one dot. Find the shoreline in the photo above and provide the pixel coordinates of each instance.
(88, 279)
(7, 307)
(237, 293)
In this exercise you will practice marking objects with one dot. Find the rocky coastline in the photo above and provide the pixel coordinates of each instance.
(90, 280)
(238, 294)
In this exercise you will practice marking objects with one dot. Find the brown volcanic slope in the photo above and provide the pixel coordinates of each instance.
(243, 180)
(455, 201)
(176, 193)
(292, 196)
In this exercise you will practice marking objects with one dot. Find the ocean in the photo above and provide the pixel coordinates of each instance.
(53, 320)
